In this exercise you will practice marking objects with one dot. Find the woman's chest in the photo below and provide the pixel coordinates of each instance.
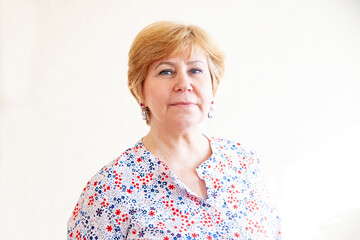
(170, 211)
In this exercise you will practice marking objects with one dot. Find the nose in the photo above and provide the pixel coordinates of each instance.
(183, 82)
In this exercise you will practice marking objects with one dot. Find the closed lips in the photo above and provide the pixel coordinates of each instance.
(185, 104)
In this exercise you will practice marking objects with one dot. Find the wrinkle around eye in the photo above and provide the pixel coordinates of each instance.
(196, 70)
(166, 72)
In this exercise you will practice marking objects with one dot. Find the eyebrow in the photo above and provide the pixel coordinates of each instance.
(166, 63)
(173, 64)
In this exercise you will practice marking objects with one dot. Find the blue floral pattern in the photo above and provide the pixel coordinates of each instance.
(137, 196)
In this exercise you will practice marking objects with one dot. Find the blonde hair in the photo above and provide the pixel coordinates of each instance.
(165, 39)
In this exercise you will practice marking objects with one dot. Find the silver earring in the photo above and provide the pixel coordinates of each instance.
(211, 112)
(143, 112)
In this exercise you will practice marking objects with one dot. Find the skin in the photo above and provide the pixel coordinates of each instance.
(178, 92)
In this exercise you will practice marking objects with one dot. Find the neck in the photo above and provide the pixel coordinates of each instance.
(178, 147)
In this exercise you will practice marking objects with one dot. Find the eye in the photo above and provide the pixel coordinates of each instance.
(166, 72)
(195, 70)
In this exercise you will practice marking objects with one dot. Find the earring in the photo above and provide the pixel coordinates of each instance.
(143, 112)
(211, 113)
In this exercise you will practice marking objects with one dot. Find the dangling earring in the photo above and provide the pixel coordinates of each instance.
(143, 112)
(211, 113)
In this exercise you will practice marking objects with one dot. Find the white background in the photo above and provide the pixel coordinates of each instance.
(291, 92)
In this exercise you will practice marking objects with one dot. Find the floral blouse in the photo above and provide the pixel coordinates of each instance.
(137, 196)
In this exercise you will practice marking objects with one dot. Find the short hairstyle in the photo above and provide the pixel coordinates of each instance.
(166, 39)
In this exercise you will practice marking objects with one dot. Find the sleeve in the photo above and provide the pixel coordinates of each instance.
(262, 201)
(98, 213)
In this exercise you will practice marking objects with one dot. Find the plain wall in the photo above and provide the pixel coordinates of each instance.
(291, 92)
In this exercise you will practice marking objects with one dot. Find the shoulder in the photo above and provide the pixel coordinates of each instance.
(114, 175)
(107, 193)
(124, 163)
(108, 178)
(116, 167)
(237, 157)
(232, 147)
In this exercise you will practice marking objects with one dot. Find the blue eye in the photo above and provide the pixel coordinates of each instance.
(166, 72)
(195, 70)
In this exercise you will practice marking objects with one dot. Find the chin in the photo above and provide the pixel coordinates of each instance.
(184, 123)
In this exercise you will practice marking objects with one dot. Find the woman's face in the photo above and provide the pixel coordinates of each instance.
(178, 90)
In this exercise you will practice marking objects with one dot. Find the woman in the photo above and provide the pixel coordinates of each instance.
(176, 183)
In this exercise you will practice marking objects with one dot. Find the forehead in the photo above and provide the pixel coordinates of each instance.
(188, 56)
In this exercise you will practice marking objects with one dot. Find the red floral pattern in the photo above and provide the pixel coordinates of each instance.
(137, 196)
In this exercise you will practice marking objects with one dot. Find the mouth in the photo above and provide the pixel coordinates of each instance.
(183, 104)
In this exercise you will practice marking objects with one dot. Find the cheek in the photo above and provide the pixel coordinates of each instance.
(206, 89)
(208, 81)
(155, 94)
